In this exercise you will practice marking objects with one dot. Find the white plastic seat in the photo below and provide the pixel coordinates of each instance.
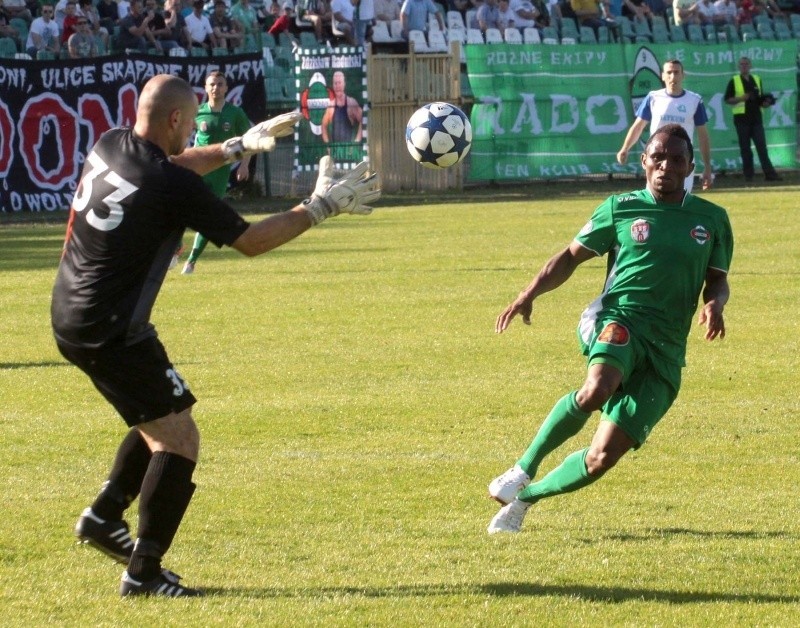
(474, 36)
(531, 35)
(396, 30)
(178, 51)
(457, 34)
(437, 42)
(512, 35)
(455, 20)
(380, 32)
(568, 40)
(494, 36)
(418, 39)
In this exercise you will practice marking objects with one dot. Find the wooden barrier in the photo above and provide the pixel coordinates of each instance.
(397, 85)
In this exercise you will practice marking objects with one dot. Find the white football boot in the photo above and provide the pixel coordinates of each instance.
(509, 518)
(504, 488)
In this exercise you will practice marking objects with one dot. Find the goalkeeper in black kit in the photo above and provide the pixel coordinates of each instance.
(140, 188)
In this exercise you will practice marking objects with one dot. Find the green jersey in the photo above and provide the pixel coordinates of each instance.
(658, 255)
(214, 127)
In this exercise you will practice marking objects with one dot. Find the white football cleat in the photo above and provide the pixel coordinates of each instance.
(504, 488)
(509, 517)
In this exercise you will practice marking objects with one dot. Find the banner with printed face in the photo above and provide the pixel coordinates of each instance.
(544, 112)
(52, 113)
(332, 91)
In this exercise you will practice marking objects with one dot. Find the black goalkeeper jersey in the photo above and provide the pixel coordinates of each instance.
(126, 222)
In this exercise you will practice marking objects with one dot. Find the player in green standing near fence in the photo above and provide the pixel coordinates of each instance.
(217, 121)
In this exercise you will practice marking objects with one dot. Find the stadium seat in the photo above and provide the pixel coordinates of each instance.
(677, 34)
(603, 35)
(765, 31)
(512, 35)
(658, 22)
(569, 41)
(627, 34)
(731, 34)
(569, 28)
(8, 48)
(794, 23)
(710, 32)
(309, 39)
(437, 41)
(474, 36)
(531, 35)
(782, 31)
(417, 38)
(380, 32)
(748, 32)
(494, 36)
(588, 35)
(396, 30)
(22, 27)
(642, 30)
(455, 20)
(433, 23)
(197, 51)
(219, 51)
(549, 33)
(457, 34)
(471, 19)
(44, 55)
(694, 33)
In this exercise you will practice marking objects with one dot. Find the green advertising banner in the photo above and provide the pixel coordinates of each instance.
(332, 91)
(545, 112)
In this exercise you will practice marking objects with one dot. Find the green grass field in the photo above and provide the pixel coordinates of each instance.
(354, 401)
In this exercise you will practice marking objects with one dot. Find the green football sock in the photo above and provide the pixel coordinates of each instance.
(199, 245)
(569, 476)
(564, 421)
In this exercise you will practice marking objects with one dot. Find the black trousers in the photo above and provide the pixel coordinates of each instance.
(753, 132)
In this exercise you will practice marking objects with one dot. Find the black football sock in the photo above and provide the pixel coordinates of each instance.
(125, 480)
(166, 492)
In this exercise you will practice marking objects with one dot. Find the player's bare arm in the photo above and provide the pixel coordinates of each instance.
(555, 272)
(715, 295)
(633, 135)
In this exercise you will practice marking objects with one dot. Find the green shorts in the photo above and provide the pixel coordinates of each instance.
(645, 394)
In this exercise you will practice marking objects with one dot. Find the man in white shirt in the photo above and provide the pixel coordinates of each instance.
(44, 33)
(525, 14)
(673, 105)
(199, 27)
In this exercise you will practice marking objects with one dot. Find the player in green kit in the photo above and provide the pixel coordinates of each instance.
(665, 248)
(217, 121)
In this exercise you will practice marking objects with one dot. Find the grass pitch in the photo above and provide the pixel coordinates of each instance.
(354, 402)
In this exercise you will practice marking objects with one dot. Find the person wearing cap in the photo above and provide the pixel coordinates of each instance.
(284, 20)
(201, 34)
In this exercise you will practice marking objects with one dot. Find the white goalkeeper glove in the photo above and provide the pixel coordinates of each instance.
(346, 195)
(261, 138)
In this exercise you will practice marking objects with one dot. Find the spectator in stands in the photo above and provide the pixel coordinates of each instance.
(318, 13)
(87, 9)
(123, 7)
(134, 31)
(158, 27)
(462, 6)
(176, 23)
(771, 8)
(201, 35)
(708, 14)
(488, 15)
(6, 30)
(245, 17)
(506, 17)
(284, 22)
(728, 10)
(636, 10)
(685, 12)
(43, 34)
(414, 15)
(343, 13)
(588, 13)
(388, 10)
(525, 14)
(69, 20)
(82, 44)
(364, 18)
(109, 14)
(225, 29)
(18, 8)
(660, 7)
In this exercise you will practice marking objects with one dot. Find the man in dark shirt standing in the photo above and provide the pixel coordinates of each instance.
(746, 94)
(138, 191)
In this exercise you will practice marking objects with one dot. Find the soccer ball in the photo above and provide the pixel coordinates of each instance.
(438, 135)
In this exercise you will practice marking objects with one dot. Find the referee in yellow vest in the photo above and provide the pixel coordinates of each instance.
(745, 93)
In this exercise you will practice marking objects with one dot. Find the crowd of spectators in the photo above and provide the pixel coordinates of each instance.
(85, 28)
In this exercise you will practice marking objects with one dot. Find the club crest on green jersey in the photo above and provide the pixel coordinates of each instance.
(640, 230)
(700, 234)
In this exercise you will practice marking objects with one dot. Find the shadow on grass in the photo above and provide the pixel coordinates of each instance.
(10, 366)
(511, 589)
(702, 534)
